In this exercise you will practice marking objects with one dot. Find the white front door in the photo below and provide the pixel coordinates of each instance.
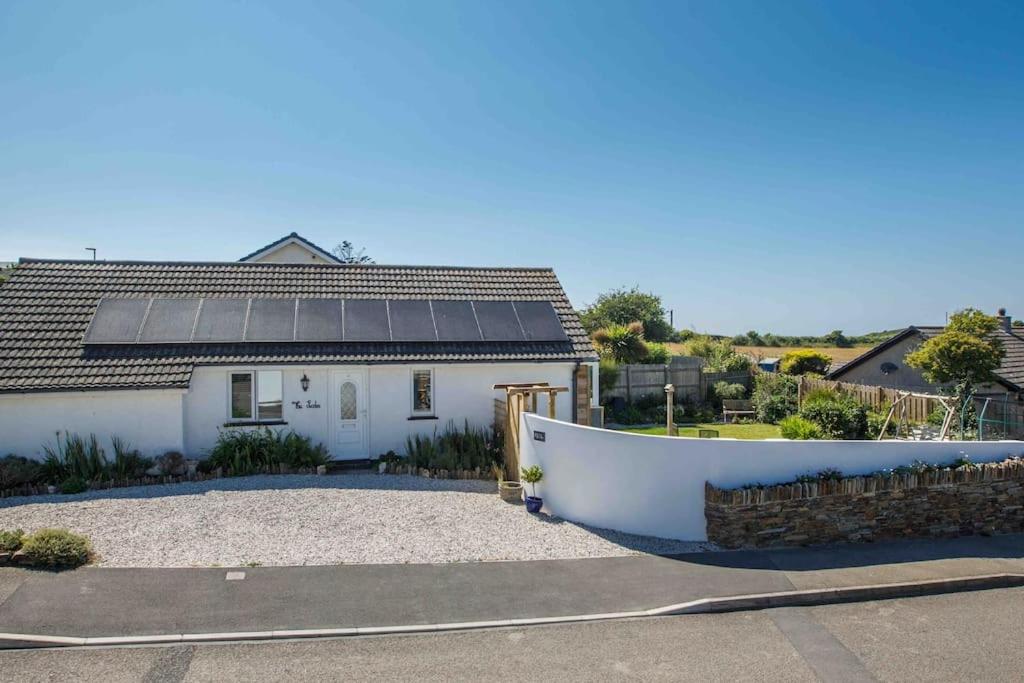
(348, 415)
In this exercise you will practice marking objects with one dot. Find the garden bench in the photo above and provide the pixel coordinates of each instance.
(736, 407)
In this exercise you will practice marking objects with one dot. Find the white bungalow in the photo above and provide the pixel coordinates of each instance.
(165, 354)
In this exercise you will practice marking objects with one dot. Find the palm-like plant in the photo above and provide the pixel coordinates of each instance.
(623, 343)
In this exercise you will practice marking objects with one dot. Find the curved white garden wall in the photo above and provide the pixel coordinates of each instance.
(654, 485)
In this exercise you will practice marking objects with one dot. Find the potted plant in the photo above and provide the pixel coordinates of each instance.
(531, 475)
(510, 491)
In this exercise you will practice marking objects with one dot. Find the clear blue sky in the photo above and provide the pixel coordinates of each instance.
(786, 166)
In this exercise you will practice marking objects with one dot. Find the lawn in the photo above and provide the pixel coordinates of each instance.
(725, 431)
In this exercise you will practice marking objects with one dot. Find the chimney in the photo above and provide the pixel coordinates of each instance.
(1005, 321)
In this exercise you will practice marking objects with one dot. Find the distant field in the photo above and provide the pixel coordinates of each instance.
(838, 355)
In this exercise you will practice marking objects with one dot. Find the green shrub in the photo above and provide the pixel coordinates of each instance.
(796, 427)
(454, 448)
(172, 463)
(718, 354)
(841, 417)
(241, 452)
(657, 354)
(128, 462)
(74, 457)
(73, 484)
(607, 374)
(774, 396)
(728, 392)
(18, 471)
(56, 548)
(876, 418)
(804, 361)
(11, 540)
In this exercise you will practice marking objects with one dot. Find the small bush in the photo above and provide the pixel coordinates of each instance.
(774, 397)
(657, 354)
(729, 392)
(56, 548)
(18, 471)
(843, 417)
(128, 463)
(804, 361)
(796, 427)
(172, 463)
(454, 448)
(607, 374)
(876, 418)
(73, 484)
(11, 540)
(74, 457)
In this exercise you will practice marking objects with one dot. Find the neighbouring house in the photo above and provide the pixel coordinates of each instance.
(358, 357)
(884, 365)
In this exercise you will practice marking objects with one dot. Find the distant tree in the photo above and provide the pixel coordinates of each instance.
(754, 339)
(805, 361)
(965, 354)
(624, 306)
(347, 253)
(621, 343)
(836, 338)
(718, 354)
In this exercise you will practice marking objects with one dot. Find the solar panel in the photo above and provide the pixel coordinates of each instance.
(411, 321)
(116, 321)
(498, 321)
(318, 320)
(540, 321)
(271, 320)
(366, 320)
(221, 320)
(170, 320)
(455, 321)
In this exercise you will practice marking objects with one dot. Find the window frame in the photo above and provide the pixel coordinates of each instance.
(254, 406)
(432, 410)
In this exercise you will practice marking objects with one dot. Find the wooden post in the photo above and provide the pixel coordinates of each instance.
(551, 404)
(670, 427)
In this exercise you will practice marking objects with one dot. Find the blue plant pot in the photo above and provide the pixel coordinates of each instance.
(534, 504)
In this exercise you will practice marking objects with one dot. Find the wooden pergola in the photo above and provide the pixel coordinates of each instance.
(521, 397)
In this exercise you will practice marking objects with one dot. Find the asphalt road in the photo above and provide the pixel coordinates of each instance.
(966, 636)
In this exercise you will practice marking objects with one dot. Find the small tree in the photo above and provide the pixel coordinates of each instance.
(804, 361)
(347, 253)
(622, 343)
(965, 354)
(622, 307)
(531, 475)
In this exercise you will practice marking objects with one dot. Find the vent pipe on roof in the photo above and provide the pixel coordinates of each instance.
(1005, 321)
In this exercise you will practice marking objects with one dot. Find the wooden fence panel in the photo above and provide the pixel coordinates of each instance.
(918, 407)
(636, 380)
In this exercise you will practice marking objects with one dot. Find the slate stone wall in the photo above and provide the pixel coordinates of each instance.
(977, 499)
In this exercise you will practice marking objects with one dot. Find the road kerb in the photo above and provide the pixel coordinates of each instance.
(809, 597)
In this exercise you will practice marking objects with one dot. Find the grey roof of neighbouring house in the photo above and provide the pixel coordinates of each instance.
(1010, 373)
(46, 307)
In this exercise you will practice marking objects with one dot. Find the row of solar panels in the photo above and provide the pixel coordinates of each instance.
(170, 321)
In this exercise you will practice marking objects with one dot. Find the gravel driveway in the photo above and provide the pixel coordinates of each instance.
(309, 520)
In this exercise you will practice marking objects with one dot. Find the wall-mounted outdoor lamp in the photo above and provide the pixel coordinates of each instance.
(304, 382)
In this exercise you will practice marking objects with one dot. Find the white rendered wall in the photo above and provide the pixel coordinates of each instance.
(654, 485)
(461, 392)
(150, 420)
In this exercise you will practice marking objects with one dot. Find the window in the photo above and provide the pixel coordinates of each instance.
(348, 401)
(257, 395)
(270, 395)
(241, 395)
(423, 392)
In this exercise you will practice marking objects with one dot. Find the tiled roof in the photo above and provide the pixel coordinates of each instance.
(46, 306)
(1011, 372)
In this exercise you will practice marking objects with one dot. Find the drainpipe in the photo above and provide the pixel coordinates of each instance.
(573, 390)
